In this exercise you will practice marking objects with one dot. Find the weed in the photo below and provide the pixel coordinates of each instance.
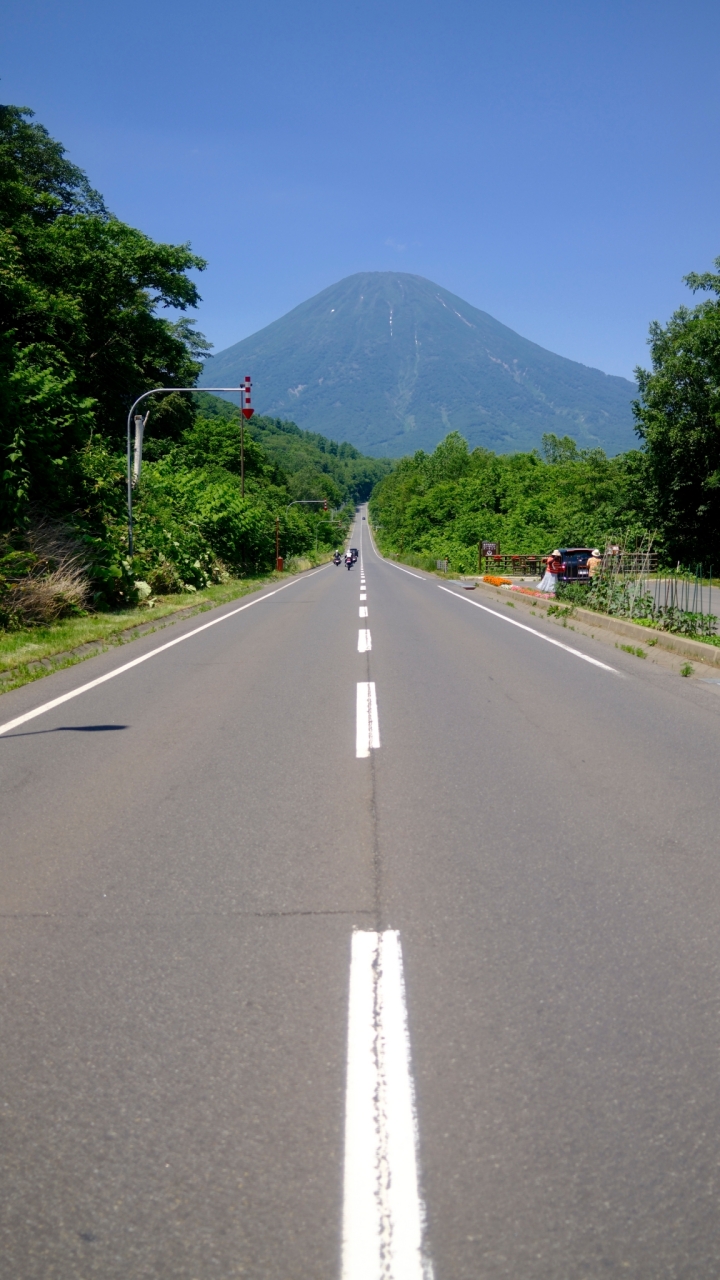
(636, 651)
(652, 643)
(686, 669)
(559, 611)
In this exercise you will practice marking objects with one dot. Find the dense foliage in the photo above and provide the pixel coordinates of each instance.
(79, 291)
(315, 466)
(441, 505)
(678, 419)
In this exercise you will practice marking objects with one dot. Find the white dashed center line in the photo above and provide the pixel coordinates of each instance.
(383, 1215)
(367, 735)
(362, 611)
(364, 642)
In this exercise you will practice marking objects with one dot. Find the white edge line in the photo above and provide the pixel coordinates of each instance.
(117, 671)
(399, 566)
(568, 648)
(392, 562)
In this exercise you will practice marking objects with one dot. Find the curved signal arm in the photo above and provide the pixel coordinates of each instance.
(156, 391)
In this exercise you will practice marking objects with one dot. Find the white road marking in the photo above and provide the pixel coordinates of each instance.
(367, 733)
(364, 642)
(363, 595)
(362, 611)
(118, 671)
(568, 648)
(392, 562)
(399, 566)
(383, 1214)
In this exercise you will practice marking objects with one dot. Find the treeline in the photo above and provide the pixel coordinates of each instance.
(315, 466)
(441, 505)
(82, 334)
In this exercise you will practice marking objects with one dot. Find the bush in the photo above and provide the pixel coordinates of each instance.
(43, 577)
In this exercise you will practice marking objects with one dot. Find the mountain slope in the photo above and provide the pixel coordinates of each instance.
(393, 362)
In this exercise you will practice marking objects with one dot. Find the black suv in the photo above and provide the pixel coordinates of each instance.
(574, 564)
(354, 553)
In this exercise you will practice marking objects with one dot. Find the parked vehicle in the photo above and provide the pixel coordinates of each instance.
(573, 566)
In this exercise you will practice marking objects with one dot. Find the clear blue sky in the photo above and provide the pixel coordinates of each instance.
(555, 164)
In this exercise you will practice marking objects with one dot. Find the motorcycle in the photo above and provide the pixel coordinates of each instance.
(348, 562)
(337, 559)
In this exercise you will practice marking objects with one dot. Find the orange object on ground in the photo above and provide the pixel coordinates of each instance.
(497, 582)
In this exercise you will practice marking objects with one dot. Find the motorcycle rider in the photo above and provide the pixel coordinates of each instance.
(349, 560)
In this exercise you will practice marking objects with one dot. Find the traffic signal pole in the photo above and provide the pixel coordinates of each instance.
(246, 412)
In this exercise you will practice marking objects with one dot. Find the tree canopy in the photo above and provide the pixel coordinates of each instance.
(678, 420)
(81, 337)
(441, 505)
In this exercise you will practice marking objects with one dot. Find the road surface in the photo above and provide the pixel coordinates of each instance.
(357, 931)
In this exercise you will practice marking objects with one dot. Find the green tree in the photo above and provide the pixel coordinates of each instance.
(79, 292)
(678, 418)
(443, 504)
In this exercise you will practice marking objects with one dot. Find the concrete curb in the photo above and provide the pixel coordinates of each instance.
(707, 653)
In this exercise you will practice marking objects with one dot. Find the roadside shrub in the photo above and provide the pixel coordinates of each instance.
(43, 577)
(573, 592)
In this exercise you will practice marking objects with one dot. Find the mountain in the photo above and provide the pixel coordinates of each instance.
(393, 362)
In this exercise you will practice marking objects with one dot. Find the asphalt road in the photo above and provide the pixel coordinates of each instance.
(188, 851)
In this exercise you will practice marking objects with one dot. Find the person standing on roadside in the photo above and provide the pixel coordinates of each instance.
(594, 564)
(552, 568)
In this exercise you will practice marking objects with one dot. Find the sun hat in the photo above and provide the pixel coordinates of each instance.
(595, 551)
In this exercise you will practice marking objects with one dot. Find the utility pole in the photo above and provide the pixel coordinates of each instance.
(277, 543)
(246, 411)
